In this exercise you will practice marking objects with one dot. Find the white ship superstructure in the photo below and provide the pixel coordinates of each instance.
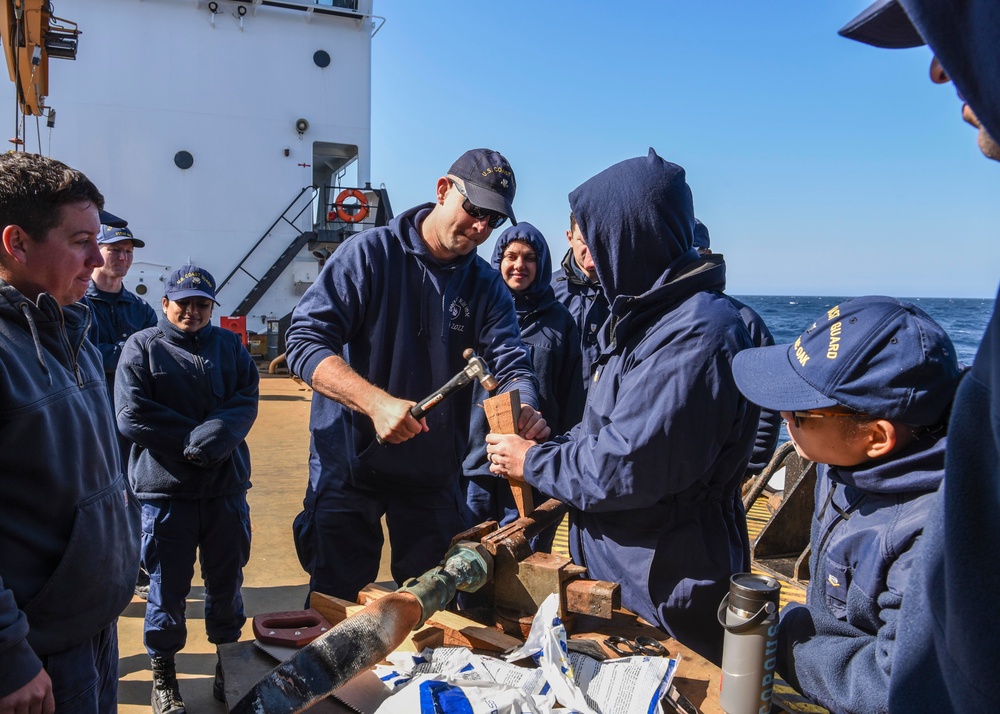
(223, 131)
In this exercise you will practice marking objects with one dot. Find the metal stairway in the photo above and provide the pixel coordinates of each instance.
(264, 282)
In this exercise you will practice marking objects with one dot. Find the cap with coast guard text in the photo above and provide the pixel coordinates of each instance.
(488, 180)
(874, 355)
(190, 281)
(110, 234)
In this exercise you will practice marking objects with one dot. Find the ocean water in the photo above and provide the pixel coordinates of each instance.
(787, 317)
(964, 319)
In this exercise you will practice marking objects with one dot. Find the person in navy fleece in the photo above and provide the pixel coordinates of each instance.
(384, 325)
(652, 471)
(69, 550)
(946, 653)
(866, 392)
(770, 422)
(576, 286)
(521, 255)
(186, 395)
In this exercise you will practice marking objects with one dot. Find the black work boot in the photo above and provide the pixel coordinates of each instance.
(219, 685)
(166, 694)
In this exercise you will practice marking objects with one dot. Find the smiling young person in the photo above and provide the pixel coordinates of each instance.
(186, 396)
(866, 392)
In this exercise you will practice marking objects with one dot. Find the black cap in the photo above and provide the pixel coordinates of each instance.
(110, 219)
(488, 180)
(884, 23)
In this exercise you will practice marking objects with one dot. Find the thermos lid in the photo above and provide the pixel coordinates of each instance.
(750, 591)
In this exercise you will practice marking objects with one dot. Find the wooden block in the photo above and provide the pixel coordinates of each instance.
(333, 608)
(502, 412)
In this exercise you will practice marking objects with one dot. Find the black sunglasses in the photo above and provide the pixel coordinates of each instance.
(493, 219)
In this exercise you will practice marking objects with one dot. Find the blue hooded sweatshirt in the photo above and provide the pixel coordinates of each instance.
(947, 651)
(651, 471)
(69, 526)
(401, 319)
(838, 649)
(589, 307)
(187, 401)
(549, 332)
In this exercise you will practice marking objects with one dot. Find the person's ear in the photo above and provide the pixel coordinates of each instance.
(443, 185)
(881, 438)
(15, 243)
(938, 75)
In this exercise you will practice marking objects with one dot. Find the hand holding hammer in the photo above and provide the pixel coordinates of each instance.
(475, 368)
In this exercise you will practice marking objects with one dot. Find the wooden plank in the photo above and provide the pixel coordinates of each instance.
(503, 412)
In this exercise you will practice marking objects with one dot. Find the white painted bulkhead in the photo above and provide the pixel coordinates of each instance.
(156, 77)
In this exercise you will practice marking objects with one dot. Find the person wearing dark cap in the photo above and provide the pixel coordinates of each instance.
(866, 393)
(946, 654)
(384, 325)
(652, 470)
(576, 286)
(69, 549)
(117, 311)
(521, 255)
(186, 396)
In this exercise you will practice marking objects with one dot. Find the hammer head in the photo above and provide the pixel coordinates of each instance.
(477, 368)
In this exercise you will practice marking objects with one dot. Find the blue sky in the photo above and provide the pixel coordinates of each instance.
(820, 166)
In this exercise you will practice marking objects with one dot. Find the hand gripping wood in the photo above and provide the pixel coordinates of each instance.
(502, 412)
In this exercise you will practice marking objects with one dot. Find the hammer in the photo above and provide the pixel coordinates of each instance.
(475, 369)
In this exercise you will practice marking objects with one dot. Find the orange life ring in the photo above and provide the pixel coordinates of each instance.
(360, 211)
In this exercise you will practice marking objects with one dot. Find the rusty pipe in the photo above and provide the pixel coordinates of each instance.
(365, 638)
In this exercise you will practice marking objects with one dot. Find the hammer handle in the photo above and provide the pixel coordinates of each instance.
(428, 403)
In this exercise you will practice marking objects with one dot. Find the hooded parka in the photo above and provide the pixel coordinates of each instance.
(652, 469)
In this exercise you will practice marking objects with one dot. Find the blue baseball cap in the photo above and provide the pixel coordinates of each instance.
(884, 23)
(488, 180)
(110, 219)
(874, 355)
(190, 281)
(110, 234)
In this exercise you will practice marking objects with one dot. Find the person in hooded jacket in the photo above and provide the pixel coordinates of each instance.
(384, 325)
(866, 392)
(69, 550)
(651, 471)
(521, 255)
(769, 426)
(186, 395)
(576, 286)
(946, 653)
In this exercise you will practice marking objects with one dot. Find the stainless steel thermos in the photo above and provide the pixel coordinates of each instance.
(749, 614)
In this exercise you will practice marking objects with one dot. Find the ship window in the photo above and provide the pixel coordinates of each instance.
(321, 58)
(183, 160)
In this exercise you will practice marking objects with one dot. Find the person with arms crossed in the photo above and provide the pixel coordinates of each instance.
(69, 548)
(186, 395)
(384, 325)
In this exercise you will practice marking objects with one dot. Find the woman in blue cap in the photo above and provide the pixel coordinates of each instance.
(866, 392)
(186, 396)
